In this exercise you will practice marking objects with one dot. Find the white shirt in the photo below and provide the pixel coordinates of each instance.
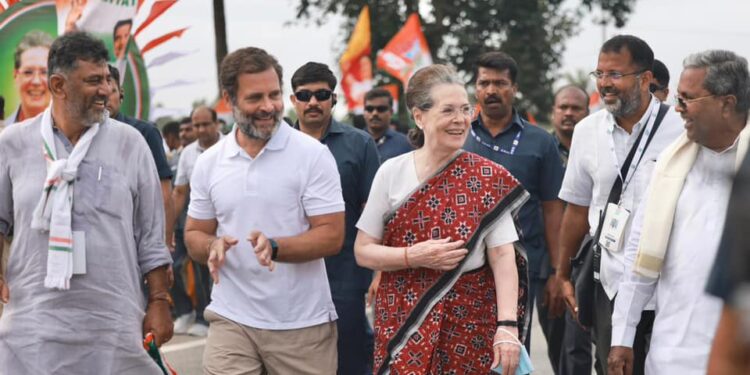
(188, 157)
(593, 167)
(395, 180)
(686, 317)
(293, 177)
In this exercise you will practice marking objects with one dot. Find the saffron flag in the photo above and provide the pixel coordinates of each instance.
(356, 65)
(406, 52)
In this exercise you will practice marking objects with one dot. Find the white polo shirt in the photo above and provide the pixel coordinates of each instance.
(593, 166)
(293, 177)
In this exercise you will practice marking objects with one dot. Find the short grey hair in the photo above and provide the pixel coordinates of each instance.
(726, 74)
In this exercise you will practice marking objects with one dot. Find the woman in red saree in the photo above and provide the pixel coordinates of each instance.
(438, 225)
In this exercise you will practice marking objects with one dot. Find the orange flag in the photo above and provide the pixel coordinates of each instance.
(156, 42)
(356, 66)
(406, 52)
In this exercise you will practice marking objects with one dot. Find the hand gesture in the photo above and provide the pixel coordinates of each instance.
(507, 349)
(216, 254)
(76, 11)
(439, 254)
(262, 248)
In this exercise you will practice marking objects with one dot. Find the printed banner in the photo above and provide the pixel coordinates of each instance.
(28, 28)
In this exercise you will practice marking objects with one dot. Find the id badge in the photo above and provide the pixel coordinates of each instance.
(615, 220)
(79, 253)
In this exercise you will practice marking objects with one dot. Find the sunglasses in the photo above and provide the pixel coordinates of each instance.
(320, 95)
(379, 108)
(652, 87)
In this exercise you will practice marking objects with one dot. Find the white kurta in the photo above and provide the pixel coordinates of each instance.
(686, 317)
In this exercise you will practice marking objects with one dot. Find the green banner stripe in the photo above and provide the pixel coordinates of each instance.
(61, 248)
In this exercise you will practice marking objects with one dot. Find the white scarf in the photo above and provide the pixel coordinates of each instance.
(663, 192)
(54, 211)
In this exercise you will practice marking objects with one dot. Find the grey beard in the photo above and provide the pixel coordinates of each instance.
(88, 117)
(251, 132)
(626, 106)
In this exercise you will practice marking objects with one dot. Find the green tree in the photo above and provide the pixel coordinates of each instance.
(458, 31)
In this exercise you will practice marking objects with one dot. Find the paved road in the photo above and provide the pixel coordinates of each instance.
(184, 353)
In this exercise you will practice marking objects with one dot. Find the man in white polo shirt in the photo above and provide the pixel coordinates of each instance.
(265, 208)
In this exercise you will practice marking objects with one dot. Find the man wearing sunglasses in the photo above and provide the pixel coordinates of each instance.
(675, 237)
(378, 112)
(357, 160)
(600, 147)
(660, 84)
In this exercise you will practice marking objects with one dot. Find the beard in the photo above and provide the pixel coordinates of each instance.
(627, 102)
(86, 113)
(246, 124)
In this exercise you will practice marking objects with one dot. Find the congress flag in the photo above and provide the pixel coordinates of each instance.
(356, 66)
(406, 52)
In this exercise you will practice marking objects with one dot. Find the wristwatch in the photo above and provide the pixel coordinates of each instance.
(274, 248)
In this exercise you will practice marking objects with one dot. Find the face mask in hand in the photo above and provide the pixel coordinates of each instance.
(524, 361)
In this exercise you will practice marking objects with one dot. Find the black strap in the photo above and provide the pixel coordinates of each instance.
(616, 192)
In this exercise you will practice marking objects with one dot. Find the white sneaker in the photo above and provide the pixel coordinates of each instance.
(198, 329)
(183, 323)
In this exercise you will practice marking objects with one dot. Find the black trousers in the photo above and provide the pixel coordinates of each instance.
(602, 333)
(575, 356)
(568, 345)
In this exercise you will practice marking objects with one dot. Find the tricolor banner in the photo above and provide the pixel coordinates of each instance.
(28, 28)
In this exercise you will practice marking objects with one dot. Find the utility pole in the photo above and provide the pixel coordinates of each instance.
(220, 32)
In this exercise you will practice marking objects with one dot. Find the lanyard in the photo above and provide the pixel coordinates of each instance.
(497, 148)
(639, 151)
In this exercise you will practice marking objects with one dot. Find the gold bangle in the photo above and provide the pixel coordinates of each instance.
(406, 258)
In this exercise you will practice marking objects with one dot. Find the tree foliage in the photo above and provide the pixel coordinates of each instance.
(458, 31)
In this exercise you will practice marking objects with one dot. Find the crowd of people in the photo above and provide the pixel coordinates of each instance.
(274, 239)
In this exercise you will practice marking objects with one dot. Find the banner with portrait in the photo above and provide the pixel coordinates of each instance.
(28, 28)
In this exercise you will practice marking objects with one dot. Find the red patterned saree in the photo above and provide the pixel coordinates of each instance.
(434, 322)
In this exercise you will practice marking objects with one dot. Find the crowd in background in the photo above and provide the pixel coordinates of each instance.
(283, 233)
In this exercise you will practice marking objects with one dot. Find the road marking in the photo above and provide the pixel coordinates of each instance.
(183, 346)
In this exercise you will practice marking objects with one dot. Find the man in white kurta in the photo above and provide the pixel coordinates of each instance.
(690, 186)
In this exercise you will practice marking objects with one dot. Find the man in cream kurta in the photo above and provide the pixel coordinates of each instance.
(674, 238)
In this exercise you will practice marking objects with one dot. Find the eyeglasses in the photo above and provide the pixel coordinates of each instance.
(379, 108)
(320, 95)
(451, 112)
(30, 73)
(683, 102)
(615, 76)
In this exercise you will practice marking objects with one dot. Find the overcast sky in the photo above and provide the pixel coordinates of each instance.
(673, 29)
